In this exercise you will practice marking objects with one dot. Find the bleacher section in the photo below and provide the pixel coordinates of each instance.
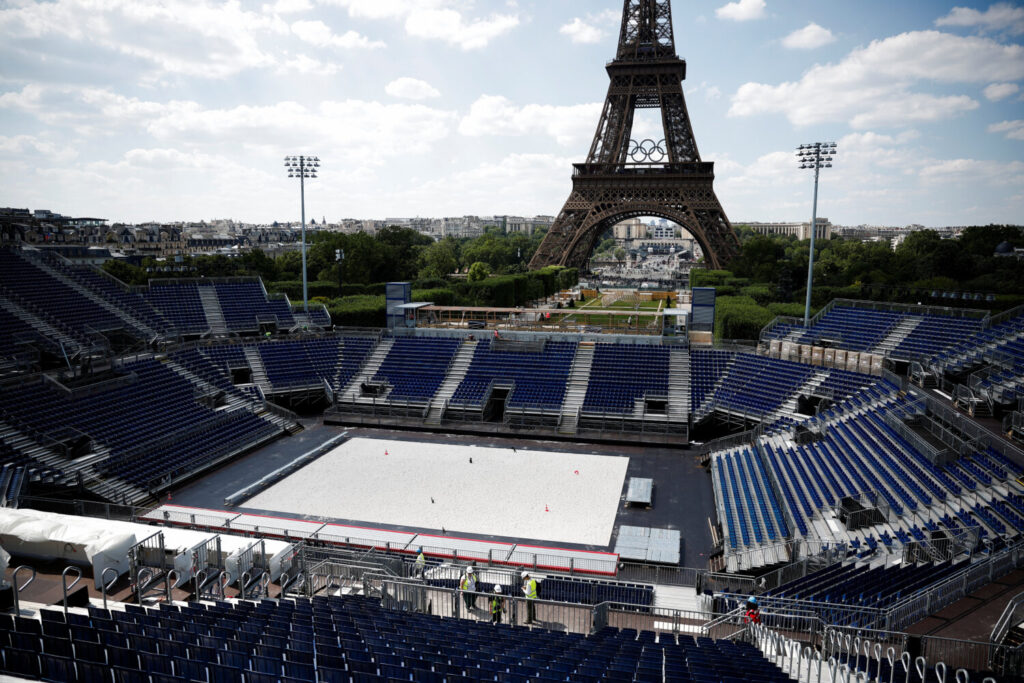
(14, 332)
(179, 302)
(148, 421)
(758, 385)
(857, 454)
(861, 585)
(105, 287)
(349, 639)
(538, 377)
(354, 351)
(302, 363)
(415, 368)
(899, 334)
(621, 374)
(55, 300)
(245, 306)
(706, 370)
(1003, 341)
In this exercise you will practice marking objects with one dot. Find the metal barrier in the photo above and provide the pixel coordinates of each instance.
(452, 603)
(863, 645)
(846, 658)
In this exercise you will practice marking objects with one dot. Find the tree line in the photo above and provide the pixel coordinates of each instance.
(489, 270)
(768, 277)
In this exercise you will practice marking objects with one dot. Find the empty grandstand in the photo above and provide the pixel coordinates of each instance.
(843, 487)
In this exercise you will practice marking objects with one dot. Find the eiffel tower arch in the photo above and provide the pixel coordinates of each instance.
(624, 178)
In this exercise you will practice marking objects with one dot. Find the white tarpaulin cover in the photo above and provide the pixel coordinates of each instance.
(83, 541)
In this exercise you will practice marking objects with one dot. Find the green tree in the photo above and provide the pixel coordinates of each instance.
(479, 271)
(440, 259)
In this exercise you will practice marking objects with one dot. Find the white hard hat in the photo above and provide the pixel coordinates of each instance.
(524, 574)
(497, 588)
(469, 571)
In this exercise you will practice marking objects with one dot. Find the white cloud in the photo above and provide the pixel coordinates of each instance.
(383, 9)
(872, 85)
(913, 108)
(956, 170)
(351, 130)
(580, 31)
(308, 66)
(1000, 91)
(1014, 129)
(288, 7)
(448, 25)
(187, 37)
(527, 181)
(741, 10)
(434, 19)
(809, 37)
(593, 29)
(319, 34)
(35, 147)
(496, 115)
(999, 17)
(411, 89)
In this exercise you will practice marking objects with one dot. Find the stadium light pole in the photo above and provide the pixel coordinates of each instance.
(815, 156)
(303, 167)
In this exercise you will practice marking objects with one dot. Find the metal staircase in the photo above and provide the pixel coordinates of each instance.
(259, 371)
(897, 334)
(679, 385)
(576, 388)
(352, 391)
(40, 325)
(214, 313)
(56, 274)
(456, 373)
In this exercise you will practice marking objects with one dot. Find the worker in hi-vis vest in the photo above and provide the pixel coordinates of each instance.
(421, 563)
(497, 605)
(468, 588)
(530, 591)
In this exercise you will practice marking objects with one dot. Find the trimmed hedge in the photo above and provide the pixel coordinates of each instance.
(740, 317)
(359, 311)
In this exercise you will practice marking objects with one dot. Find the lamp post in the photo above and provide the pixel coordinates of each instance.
(339, 257)
(817, 156)
(303, 167)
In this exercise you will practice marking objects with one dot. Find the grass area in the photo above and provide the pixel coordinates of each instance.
(623, 305)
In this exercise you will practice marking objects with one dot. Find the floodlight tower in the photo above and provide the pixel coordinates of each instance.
(817, 156)
(303, 167)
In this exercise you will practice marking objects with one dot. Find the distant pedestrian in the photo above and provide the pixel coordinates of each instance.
(421, 563)
(497, 605)
(468, 588)
(753, 613)
(529, 589)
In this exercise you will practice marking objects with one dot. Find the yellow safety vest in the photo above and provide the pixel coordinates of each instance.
(421, 561)
(495, 605)
(531, 589)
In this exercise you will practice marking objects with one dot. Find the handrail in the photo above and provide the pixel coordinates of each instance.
(17, 588)
(64, 583)
(170, 584)
(141, 585)
(104, 586)
(1003, 625)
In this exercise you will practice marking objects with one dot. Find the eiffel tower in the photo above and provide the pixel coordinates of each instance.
(624, 178)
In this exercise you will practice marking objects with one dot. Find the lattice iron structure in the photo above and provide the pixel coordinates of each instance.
(623, 178)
